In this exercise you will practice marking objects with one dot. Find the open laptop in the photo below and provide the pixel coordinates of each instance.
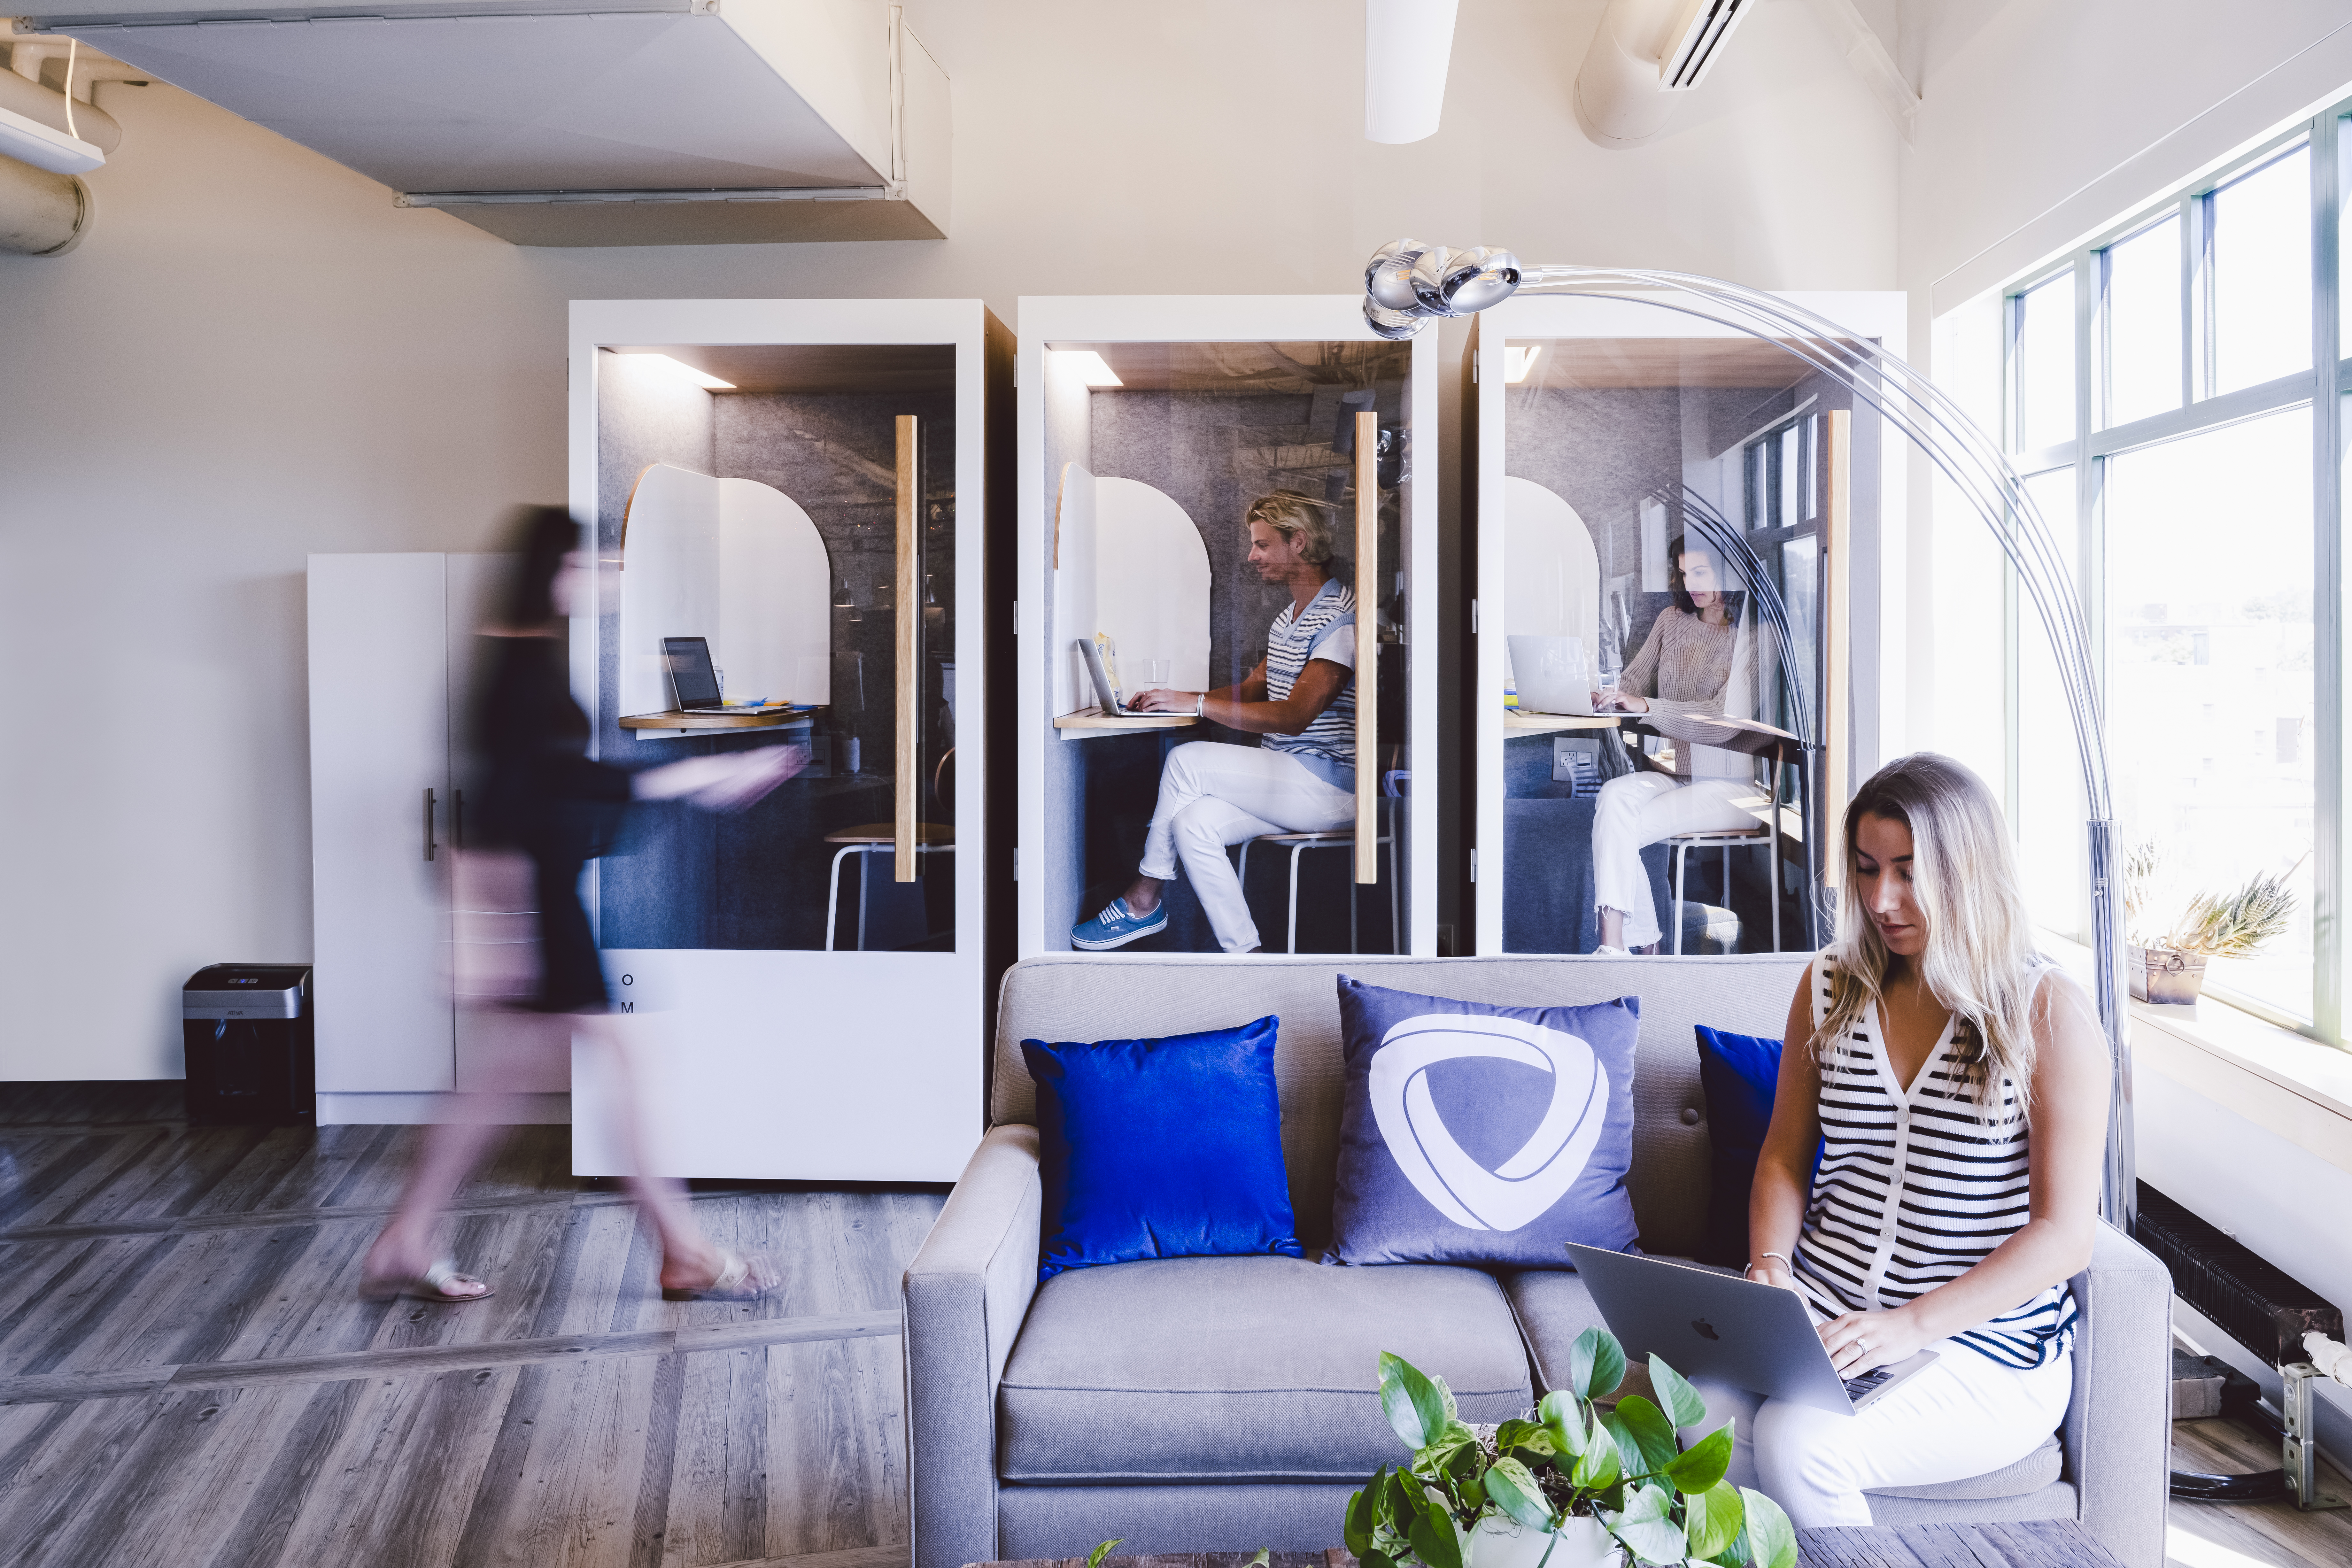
(1099, 670)
(1740, 1332)
(695, 680)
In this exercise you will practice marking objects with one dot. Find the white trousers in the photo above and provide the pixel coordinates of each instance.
(1966, 1415)
(1213, 794)
(1640, 809)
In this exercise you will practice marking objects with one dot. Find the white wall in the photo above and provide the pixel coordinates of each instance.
(255, 356)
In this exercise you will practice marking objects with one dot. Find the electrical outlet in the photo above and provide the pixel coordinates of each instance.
(1575, 759)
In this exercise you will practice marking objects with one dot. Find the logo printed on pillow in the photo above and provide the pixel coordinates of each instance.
(1531, 1180)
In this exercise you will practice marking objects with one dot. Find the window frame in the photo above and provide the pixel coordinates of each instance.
(2323, 387)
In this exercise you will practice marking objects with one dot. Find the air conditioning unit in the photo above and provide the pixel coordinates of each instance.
(575, 122)
(1695, 39)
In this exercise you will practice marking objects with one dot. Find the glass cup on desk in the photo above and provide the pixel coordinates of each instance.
(1156, 672)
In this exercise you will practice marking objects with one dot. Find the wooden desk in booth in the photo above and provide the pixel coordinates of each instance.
(711, 724)
(1088, 723)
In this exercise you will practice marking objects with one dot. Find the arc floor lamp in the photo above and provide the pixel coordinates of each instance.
(1408, 284)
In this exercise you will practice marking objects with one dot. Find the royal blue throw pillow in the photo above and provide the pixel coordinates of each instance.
(1479, 1134)
(1741, 1074)
(1167, 1148)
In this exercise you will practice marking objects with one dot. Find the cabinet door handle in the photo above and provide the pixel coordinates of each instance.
(428, 825)
(908, 768)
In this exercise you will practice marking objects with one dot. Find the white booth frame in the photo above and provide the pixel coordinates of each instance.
(1879, 568)
(1044, 320)
(792, 1064)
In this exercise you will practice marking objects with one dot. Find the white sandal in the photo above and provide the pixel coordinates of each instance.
(742, 1278)
(432, 1285)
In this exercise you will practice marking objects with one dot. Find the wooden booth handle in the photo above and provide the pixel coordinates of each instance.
(1837, 634)
(909, 771)
(1368, 647)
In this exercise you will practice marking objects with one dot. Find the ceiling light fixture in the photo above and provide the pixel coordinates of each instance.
(1092, 368)
(1517, 361)
(1407, 46)
(707, 382)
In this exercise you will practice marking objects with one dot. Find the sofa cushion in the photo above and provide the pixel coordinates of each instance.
(1552, 1307)
(1095, 995)
(1160, 1148)
(1242, 1369)
(1474, 1134)
(2028, 1476)
(1741, 1075)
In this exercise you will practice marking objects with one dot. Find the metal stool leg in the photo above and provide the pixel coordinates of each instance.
(833, 896)
(1296, 850)
(1682, 858)
(865, 889)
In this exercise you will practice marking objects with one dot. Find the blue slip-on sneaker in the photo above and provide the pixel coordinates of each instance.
(1115, 927)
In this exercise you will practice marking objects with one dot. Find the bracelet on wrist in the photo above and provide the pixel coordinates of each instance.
(1201, 706)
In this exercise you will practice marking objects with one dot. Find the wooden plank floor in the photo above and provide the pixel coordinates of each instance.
(2238, 1535)
(188, 1378)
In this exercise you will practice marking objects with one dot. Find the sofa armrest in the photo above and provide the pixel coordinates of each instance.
(2118, 1429)
(965, 1295)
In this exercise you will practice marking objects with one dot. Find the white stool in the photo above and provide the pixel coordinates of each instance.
(1337, 838)
(930, 839)
(1680, 845)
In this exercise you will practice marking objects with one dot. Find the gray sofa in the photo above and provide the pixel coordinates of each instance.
(1227, 1404)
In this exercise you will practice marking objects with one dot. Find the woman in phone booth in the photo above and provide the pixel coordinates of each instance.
(1695, 656)
(1300, 778)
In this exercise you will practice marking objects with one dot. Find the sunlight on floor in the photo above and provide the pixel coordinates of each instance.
(2189, 1551)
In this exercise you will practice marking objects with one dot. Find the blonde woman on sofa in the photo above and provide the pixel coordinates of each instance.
(1956, 1086)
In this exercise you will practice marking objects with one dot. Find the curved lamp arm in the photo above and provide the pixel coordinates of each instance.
(1408, 283)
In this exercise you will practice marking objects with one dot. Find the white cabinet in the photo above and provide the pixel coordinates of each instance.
(390, 640)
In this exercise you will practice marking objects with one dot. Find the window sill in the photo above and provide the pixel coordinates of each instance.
(2278, 1079)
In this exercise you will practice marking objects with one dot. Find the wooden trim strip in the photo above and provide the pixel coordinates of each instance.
(1367, 648)
(909, 607)
(64, 1388)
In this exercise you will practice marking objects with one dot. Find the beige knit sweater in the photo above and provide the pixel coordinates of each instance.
(1684, 666)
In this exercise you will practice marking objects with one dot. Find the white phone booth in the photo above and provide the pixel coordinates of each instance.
(1674, 510)
(799, 484)
(1149, 426)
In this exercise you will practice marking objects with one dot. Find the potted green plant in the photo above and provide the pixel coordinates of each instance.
(2168, 965)
(1578, 1487)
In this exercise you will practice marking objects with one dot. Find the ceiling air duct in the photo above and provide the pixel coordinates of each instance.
(1645, 52)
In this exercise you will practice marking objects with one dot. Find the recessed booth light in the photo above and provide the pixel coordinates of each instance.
(707, 382)
(1091, 367)
(1517, 361)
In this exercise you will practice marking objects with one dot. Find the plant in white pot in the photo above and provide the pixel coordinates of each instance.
(1578, 1487)
(2167, 965)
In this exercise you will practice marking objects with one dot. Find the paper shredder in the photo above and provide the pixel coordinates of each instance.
(247, 1030)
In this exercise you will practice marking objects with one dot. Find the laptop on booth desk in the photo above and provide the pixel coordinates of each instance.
(1740, 1332)
(695, 681)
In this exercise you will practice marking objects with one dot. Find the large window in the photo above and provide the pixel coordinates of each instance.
(2162, 403)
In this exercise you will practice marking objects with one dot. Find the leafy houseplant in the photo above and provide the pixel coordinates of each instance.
(2168, 965)
(1578, 1477)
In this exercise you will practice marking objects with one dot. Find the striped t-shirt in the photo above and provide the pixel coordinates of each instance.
(1914, 1190)
(1326, 631)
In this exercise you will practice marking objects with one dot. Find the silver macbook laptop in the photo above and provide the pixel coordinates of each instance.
(1704, 1324)
(1108, 695)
